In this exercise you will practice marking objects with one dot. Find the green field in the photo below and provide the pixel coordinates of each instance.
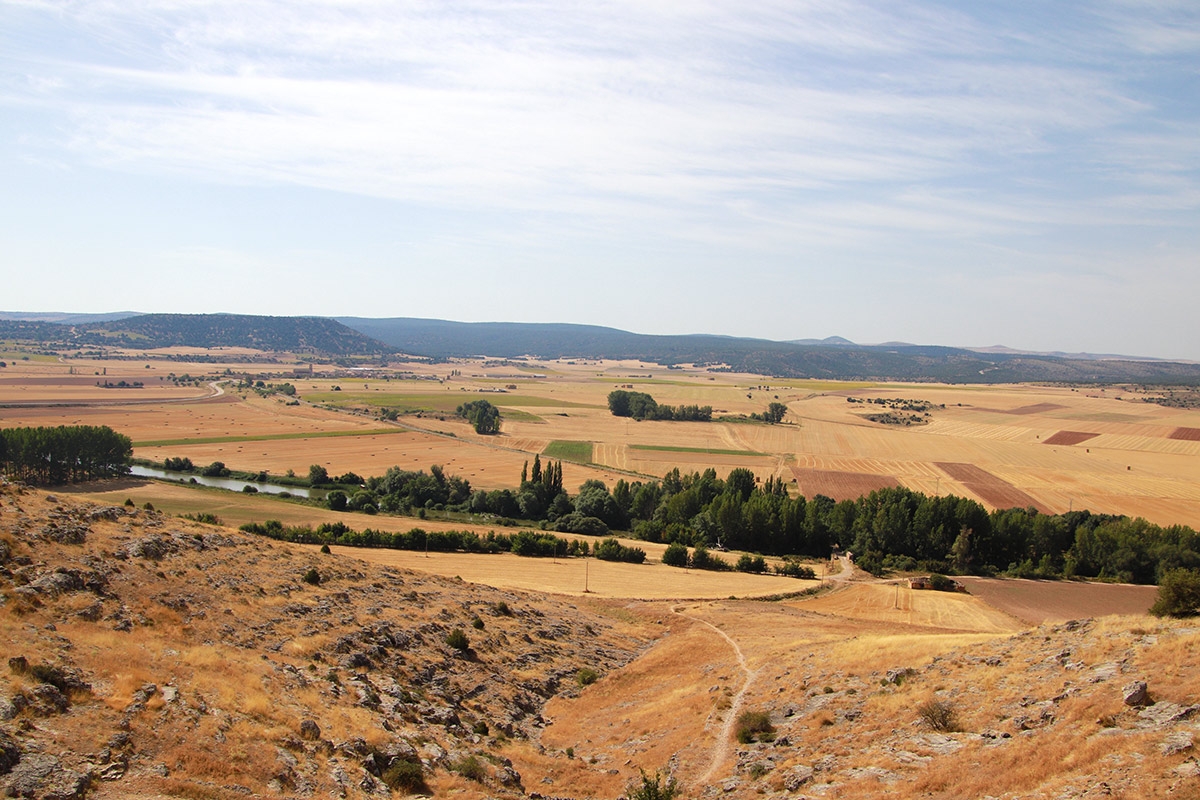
(706, 450)
(564, 450)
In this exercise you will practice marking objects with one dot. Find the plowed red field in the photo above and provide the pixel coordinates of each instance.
(840, 485)
(1070, 437)
(992, 490)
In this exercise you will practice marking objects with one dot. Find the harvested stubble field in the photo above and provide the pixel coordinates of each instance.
(1141, 460)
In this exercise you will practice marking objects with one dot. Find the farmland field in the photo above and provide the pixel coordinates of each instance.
(1052, 447)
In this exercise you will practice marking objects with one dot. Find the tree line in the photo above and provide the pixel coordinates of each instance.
(46, 456)
(522, 543)
(893, 528)
(640, 405)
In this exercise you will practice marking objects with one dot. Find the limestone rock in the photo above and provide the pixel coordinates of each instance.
(1177, 742)
(1136, 694)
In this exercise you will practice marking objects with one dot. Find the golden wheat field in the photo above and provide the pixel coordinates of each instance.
(1052, 447)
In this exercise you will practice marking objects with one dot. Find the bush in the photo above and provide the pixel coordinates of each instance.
(749, 563)
(587, 676)
(477, 623)
(405, 776)
(1178, 594)
(471, 768)
(939, 715)
(940, 583)
(755, 726)
(312, 577)
(457, 639)
(702, 559)
(653, 787)
(676, 555)
(612, 550)
(794, 570)
(325, 549)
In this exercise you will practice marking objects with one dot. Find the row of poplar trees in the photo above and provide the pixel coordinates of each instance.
(64, 454)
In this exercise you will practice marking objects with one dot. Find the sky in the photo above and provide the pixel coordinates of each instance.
(1024, 173)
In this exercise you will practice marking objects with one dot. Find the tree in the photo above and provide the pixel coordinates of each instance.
(484, 416)
(1178, 594)
(337, 500)
(317, 475)
(216, 469)
(676, 555)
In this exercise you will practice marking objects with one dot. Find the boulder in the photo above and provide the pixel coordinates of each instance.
(797, 776)
(1136, 694)
(42, 776)
(10, 753)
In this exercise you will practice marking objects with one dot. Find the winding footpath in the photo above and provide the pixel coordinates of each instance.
(721, 748)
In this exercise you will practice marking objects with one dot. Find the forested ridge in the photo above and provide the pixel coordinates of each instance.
(319, 335)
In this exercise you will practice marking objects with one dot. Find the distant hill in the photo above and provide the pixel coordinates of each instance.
(318, 335)
(64, 318)
(834, 358)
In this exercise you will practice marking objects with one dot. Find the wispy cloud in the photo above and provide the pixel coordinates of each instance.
(858, 128)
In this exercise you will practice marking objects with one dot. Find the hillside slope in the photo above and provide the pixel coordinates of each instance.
(153, 656)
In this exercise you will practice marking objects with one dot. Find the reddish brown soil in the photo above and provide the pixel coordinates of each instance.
(1186, 434)
(840, 485)
(1022, 411)
(1036, 408)
(992, 490)
(1038, 602)
(1070, 437)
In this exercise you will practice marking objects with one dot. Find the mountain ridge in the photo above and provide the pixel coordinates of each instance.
(833, 358)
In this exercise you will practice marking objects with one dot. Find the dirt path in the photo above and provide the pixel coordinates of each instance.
(721, 748)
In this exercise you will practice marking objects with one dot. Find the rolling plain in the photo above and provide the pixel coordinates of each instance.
(581, 674)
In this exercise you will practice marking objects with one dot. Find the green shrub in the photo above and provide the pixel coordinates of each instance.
(1178, 594)
(940, 583)
(676, 555)
(405, 776)
(653, 787)
(754, 726)
(503, 610)
(457, 639)
(470, 768)
(477, 623)
(748, 563)
(325, 549)
(795, 570)
(312, 577)
(587, 676)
